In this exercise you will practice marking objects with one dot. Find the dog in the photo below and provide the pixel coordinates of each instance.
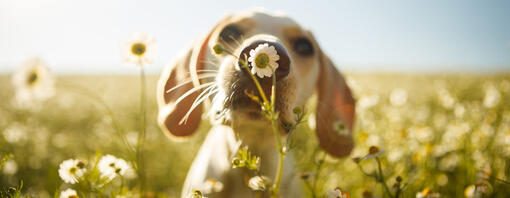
(199, 80)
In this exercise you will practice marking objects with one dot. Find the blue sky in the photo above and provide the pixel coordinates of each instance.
(397, 35)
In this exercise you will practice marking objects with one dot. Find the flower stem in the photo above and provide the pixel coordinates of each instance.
(116, 125)
(141, 137)
(277, 137)
(381, 177)
(269, 107)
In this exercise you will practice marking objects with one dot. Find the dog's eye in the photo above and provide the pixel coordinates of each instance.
(303, 46)
(230, 33)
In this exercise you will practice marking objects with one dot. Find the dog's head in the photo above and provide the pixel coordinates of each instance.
(303, 70)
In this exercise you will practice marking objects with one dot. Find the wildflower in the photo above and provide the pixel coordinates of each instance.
(15, 133)
(110, 167)
(139, 50)
(246, 159)
(33, 83)
(263, 60)
(10, 167)
(196, 194)
(69, 193)
(71, 170)
(398, 97)
(373, 152)
(492, 97)
(259, 183)
(212, 185)
(427, 193)
(338, 193)
(479, 189)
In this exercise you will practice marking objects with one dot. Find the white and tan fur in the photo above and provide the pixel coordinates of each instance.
(234, 124)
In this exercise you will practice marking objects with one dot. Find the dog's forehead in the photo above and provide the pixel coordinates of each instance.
(266, 18)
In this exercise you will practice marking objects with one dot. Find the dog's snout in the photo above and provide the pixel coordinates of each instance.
(283, 62)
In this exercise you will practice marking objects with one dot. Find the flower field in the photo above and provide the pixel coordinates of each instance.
(416, 136)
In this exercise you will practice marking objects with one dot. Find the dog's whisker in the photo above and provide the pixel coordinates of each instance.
(207, 70)
(210, 62)
(228, 45)
(198, 101)
(191, 91)
(203, 76)
(235, 40)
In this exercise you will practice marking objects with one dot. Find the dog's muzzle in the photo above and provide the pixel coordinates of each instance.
(240, 82)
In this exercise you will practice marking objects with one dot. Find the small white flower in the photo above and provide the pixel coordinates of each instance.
(427, 193)
(398, 97)
(258, 183)
(373, 152)
(110, 167)
(139, 50)
(338, 193)
(196, 194)
(263, 60)
(492, 97)
(33, 83)
(10, 167)
(69, 193)
(212, 186)
(15, 133)
(71, 170)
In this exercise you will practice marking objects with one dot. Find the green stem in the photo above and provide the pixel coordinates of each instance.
(315, 180)
(141, 137)
(381, 177)
(116, 125)
(270, 108)
(257, 84)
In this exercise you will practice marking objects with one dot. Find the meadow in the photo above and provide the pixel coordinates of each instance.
(440, 135)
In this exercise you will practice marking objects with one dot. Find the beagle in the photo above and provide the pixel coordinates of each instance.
(199, 80)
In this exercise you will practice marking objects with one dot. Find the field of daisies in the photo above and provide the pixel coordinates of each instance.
(96, 136)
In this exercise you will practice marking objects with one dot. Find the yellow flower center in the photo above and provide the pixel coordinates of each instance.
(138, 49)
(73, 196)
(73, 170)
(33, 78)
(262, 60)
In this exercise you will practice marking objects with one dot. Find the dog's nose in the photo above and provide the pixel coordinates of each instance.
(283, 62)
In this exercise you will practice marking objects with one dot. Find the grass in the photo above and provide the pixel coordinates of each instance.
(426, 139)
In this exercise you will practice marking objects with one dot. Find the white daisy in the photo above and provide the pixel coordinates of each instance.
(71, 170)
(110, 167)
(259, 183)
(196, 194)
(427, 193)
(373, 152)
(212, 186)
(263, 60)
(338, 193)
(139, 50)
(69, 193)
(33, 83)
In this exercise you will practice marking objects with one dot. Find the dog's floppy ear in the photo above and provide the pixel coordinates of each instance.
(334, 109)
(180, 77)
